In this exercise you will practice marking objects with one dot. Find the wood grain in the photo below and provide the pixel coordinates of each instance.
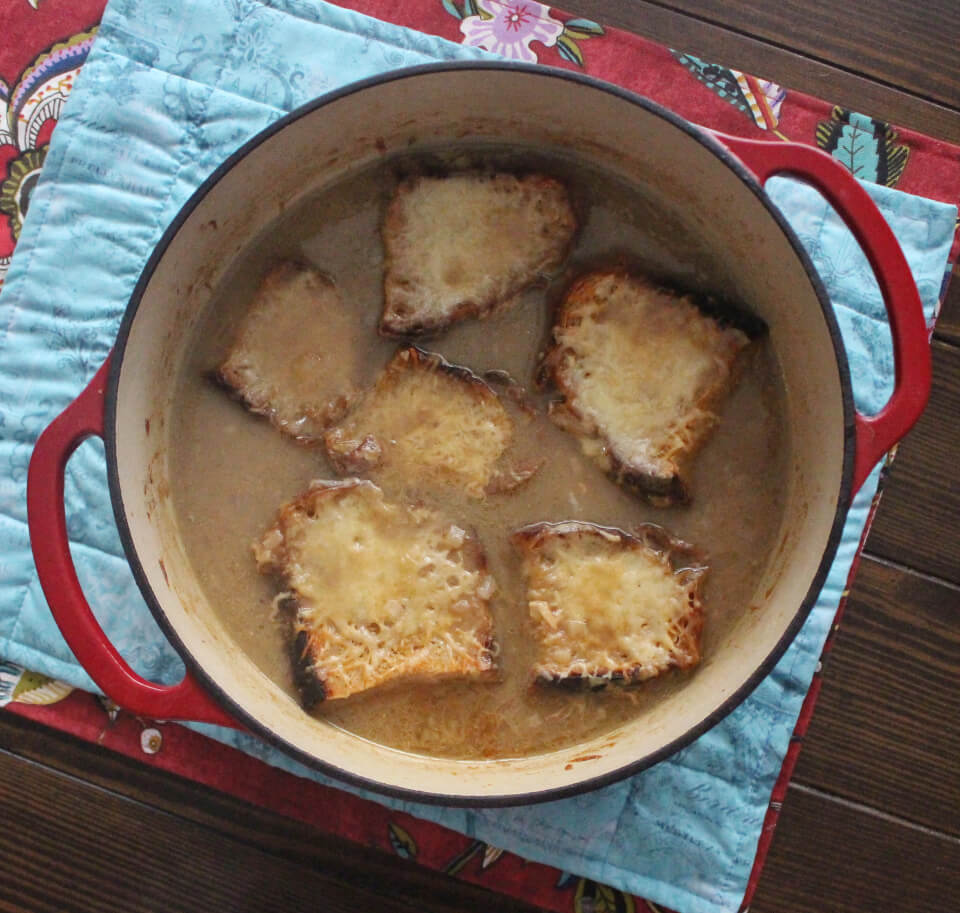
(948, 325)
(831, 857)
(886, 731)
(886, 41)
(69, 845)
(731, 46)
(916, 524)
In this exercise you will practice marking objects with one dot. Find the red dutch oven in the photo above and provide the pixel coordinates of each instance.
(715, 182)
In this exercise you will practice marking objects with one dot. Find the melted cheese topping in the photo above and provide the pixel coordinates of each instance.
(603, 603)
(282, 365)
(424, 422)
(640, 364)
(383, 591)
(469, 240)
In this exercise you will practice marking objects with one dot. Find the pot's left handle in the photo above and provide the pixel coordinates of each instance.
(46, 516)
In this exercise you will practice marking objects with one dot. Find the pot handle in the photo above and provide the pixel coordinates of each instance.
(46, 516)
(876, 434)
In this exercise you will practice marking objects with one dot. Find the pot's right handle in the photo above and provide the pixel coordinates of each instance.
(47, 520)
(876, 434)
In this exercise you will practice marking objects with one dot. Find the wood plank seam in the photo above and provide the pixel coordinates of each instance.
(865, 809)
(792, 69)
(946, 339)
(824, 61)
(906, 569)
(278, 853)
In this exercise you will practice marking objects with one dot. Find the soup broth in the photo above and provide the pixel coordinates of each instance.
(231, 470)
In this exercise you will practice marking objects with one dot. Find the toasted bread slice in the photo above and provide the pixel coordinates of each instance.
(281, 365)
(641, 370)
(382, 592)
(608, 606)
(426, 421)
(459, 246)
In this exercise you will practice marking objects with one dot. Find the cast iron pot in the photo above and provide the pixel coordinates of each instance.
(714, 181)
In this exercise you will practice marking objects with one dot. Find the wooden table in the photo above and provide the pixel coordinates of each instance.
(872, 819)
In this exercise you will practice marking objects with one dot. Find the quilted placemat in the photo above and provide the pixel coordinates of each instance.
(684, 833)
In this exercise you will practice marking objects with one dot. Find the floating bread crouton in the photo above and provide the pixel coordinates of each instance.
(641, 369)
(281, 364)
(381, 592)
(458, 246)
(424, 421)
(609, 606)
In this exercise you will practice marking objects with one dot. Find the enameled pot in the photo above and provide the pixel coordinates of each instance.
(716, 181)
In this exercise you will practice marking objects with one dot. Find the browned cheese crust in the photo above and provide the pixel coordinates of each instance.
(280, 365)
(642, 370)
(424, 421)
(460, 246)
(610, 606)
(379, 592)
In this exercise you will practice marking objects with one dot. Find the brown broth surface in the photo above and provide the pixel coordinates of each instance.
(230, 470)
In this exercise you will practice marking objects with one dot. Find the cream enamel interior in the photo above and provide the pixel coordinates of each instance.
(505, 104)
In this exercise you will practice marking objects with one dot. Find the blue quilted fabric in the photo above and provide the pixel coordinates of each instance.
(167, 92)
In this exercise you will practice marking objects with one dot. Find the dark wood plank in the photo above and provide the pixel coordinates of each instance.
(948, 324)
(828, 856)
(731, 47)
(898, 42)
(68, 845)
(916, 524)
(100, 767)
(78, 848)
(886, 731)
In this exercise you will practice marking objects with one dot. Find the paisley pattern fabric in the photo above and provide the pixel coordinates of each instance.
(31, 107)
(183, 89)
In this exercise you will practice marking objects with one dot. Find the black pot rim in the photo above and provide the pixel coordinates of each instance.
(261, 729)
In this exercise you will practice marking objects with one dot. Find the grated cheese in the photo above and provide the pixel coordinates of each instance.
(424, 421)
(641, 369)
(384, 591)
(605, 604)
(458, 246)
